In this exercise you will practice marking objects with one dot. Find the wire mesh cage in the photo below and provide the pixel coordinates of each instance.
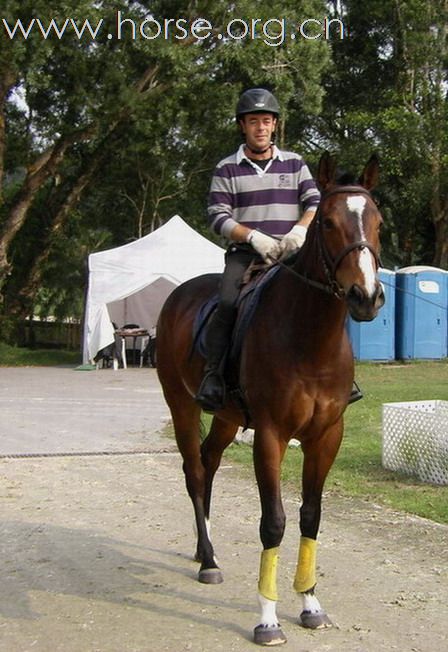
(415, 439)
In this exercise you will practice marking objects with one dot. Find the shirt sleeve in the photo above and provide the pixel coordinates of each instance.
(220, 204)
(309, 195)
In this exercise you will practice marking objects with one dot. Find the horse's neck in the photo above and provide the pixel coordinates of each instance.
(309, 260)
(311, 303)
(319, 311)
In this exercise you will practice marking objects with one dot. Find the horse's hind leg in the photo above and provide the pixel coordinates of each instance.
(200, 464)
(220, 436)
(186, 421)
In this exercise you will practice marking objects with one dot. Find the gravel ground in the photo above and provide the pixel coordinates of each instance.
(96, 550)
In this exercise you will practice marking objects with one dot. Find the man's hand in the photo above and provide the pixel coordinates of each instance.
(293, 240)
(267, 247)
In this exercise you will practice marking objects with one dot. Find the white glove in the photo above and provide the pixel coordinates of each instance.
(293, 240)
(267, 247)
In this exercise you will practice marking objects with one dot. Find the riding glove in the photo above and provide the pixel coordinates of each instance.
(293, 240)
(267, 247)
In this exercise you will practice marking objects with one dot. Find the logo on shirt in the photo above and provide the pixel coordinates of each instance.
(284, 181)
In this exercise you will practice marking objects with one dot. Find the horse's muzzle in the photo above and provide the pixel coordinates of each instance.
(363, 306)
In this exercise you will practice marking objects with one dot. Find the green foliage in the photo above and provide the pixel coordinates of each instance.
(146, 120)
(157, 115)
(388, 93)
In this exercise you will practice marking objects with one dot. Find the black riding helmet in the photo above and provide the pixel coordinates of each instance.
(257, 100)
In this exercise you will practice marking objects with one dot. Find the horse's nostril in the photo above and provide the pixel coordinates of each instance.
(380, 296)
(356, 294)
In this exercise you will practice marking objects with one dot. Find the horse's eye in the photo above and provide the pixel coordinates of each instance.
(327, 223)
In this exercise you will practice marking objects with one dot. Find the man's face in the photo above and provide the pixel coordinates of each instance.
(258, 129)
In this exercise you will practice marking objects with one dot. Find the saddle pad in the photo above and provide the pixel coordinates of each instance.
(247, 304)
(200, 321)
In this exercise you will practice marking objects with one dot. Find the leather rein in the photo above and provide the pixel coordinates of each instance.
(331, 265)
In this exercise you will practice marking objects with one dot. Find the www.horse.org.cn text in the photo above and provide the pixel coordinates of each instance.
(273, 31)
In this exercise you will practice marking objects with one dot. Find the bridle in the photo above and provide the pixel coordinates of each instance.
(329, 264)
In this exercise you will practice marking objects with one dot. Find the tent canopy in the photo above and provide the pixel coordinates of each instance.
(129, 284)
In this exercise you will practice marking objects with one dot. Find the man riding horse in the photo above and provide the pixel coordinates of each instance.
(262, 200)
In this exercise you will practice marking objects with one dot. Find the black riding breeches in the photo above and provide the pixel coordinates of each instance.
(238, 258)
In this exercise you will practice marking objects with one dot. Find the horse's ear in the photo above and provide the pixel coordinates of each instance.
(371, 173)
(326, 170)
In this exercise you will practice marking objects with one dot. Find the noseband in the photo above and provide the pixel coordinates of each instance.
(331, 265)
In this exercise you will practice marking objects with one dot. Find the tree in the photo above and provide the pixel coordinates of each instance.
(388, 92)
(107, 126)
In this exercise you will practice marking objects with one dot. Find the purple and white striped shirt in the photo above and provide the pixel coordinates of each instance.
(269, 200)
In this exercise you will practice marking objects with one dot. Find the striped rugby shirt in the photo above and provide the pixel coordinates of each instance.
(269, 200)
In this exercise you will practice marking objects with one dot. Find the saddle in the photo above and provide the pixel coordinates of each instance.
(257, 278)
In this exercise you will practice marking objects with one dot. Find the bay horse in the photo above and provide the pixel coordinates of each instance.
(296, 370)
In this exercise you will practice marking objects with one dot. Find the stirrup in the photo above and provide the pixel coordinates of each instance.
(211, 394)
(356, 394)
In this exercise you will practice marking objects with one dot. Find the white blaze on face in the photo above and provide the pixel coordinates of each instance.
(356, 204)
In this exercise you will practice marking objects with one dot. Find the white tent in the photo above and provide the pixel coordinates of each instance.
(129, 284)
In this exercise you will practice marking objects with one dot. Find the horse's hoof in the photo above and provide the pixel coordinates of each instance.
(210, 576)
(269, 635)
(312, 620)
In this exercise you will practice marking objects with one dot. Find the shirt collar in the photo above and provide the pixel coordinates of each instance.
(241, 156)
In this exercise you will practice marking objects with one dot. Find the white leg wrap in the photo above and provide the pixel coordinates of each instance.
(310, 603)
(268, 611)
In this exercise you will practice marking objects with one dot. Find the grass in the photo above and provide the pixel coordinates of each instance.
(14, 356)
(357, 470)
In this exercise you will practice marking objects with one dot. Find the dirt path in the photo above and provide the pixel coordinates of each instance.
(96, 556)
(96, 551)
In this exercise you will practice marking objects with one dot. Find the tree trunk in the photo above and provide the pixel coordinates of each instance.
(47, 165)
(21, 304)
(37, 174)
(6, 83)
(441, 236)
(439, 209)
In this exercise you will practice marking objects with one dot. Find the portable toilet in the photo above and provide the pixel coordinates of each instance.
(421, 312)
(375, 340)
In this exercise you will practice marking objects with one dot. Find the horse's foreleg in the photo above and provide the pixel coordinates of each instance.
(312, 615)
(318, 459)
(268, 454)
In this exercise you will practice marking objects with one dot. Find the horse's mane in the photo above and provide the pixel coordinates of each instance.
(344, 178)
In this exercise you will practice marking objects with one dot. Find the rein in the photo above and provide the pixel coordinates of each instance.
(330, 264)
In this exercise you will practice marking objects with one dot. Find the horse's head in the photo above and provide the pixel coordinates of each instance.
(347, 225)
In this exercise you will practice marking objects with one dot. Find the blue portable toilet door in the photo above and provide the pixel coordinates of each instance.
(431, 318)
(375, 340)
(421, 312)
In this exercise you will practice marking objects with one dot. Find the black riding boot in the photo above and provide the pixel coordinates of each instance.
(211, 394)
(356, 394)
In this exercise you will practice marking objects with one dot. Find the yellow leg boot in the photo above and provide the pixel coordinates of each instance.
(268, 632)
(312, 616)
